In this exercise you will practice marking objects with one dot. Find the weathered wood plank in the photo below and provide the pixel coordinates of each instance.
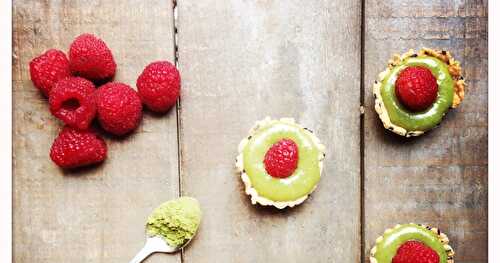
(95, 215)
(439, 178)
(241, 61)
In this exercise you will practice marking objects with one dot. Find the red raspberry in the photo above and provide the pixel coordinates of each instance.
(72, 101)
(75, 148)
(415, 252)
(159, 86)
(416, 88)
(48, 68)
(91, 58)
(282, 158)
(119, 108)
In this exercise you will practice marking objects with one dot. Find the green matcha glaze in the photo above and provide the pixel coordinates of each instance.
(387, 248)
(424, 120)
(176, 221)
(304, 178)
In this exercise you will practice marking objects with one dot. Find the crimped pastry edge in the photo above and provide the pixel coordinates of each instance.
(442, 237)
(252, 192)
(454, 69)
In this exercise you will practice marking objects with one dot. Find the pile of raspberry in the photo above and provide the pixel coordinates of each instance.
(81, 93)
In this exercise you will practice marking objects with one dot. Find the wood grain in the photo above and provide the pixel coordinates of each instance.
(98, 214)
(439, 178)
(241, 61)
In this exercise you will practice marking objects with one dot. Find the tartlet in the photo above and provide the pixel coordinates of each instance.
(388, 246)
(289, 183)
(393, 113)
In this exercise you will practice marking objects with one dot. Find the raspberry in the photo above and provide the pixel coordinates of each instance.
(48, 68)
(119, 108)
(75, 148)
(282, 158)
(91, 58)
(415, 252)
(416, 88)
(72, 101)
(159, 86)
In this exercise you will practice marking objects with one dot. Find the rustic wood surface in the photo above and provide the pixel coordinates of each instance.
(240, 61)
(94, 215)
(440, 178)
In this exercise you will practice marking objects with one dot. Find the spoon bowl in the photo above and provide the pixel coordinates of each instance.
(166, 217)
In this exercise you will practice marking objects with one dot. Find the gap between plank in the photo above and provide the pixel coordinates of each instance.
(362, 135)
(178, 104)
(178, 108)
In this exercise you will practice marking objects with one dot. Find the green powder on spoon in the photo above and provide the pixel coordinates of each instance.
(176, 221)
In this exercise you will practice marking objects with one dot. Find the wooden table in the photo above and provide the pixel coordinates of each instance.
(242, 60)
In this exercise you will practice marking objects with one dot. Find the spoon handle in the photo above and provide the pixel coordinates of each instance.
(143, 254)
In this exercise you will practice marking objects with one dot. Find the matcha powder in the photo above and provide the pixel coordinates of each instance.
(176, 220)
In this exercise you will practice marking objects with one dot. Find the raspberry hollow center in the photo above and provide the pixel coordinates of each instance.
(282, 158)
(71, 104)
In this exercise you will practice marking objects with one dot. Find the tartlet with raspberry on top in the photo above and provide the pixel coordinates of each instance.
(416, 90)
(412, 243)
(280, 163)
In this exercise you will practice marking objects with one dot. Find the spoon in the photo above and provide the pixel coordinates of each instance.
(155, 244)
(181, 216)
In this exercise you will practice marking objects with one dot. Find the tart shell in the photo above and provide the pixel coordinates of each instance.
(441, 236)
(454, 69)
(252, 192)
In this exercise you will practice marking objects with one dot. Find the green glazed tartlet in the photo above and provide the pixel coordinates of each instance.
(401, 120)
(303, 159)
(387, 246)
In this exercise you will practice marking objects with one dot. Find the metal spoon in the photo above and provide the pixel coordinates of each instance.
(158, 243)
(155, 244)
